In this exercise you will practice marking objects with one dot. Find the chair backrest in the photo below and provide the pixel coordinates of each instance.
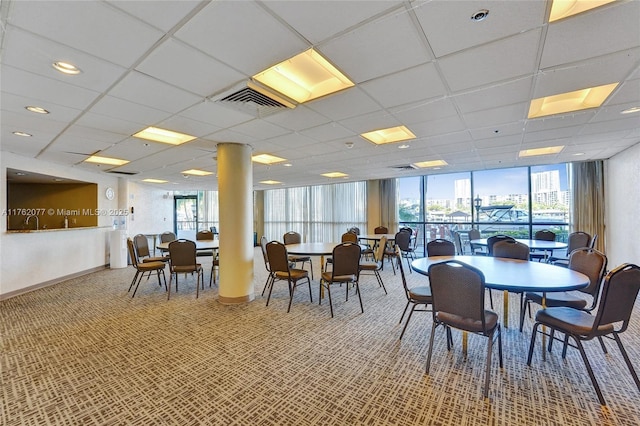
(182, 253)
(349, 237)
(381, 230)
(458, 290)
(404, 279)
(354, 229)
(474, 234)
(544, 235)
(593, 241)
(278, 257)
(406, 229)
(511, 249)
(132, 253)
(619, 293)
(593, 264)
(577, 240)
(494, 239)
(378, 255)
(142, 245)
(292, 237)
(263, 246)
(457, 241)
(204, 235)
(415, 238)
(167, 237)
(403, 240)
(213, 230)
(440, 247)
(346, 259)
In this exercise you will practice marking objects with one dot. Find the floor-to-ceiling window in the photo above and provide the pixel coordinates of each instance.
(319, 213)
(514, 201)
(195, 211)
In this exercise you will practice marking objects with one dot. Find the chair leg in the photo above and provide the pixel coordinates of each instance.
(310, 295)
(523, 308)
(379, 278)
(408, 319)
(133, 280)
(330, 302)
(405, 311)
(270, 289)
(359, 297)
(311, 266)
(487, 368)
(587, 364)
(534, 333)
(429, 352)
(138, 284)
(291, 291)
(627, 360)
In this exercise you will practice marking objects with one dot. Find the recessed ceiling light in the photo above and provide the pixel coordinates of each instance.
(267, 159)
(541, 151)
(287, 164)
(389, 135)
(58, 180)
(561, 9)
(591, 97)
(197, 172)
(480, 15)
(149, 180)
(20, 174)
(630, 110)
(578, 153)
(404, 146)
(22, 134)
(66, 68)
(106, 160)
(36, 109)
(335, 174)
(157, 134)
(432, 163)
(304, 77)
(270, 182)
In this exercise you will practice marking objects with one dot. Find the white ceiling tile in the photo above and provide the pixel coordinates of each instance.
(259, 129)
(370, 122)
(441, 126)
(122, 109)
(216, 114)
(327, 132)
(183, 66)
(408, 86)
(89, 26)
(497, 116)
(348, 103)
(449, 27)
(298, 118)
(18, 104)
(506, 93)
(112, 124)
(424, 111)
(242, 34)
(161, 14)
(592, 34)
(502, 60)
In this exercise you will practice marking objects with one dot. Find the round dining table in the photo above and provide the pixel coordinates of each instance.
(200, 245)
(514, 275)
(313, 249)
(533, 244)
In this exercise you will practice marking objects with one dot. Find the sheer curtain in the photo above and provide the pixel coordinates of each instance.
(587, 192)
(320, 213)
(208, 209)
(388, 203)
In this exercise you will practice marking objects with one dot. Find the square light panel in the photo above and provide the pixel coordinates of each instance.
(334, 174)
(149, 180)
(106, 160)
(267, 159)
(270, 182)
(304, 77)
(541, 151)
(591, 97)
(432, 163)
(390, 135)
(196, 172)
(156, 134)
(561, 9)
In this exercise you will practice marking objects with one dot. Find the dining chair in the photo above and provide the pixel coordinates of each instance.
(416, 296)
(441, 247)
(575, 240)
(381, 230)
(458, 292)
(347, 237)
(474, 234)
(457, 241)
(204, 235)
(588, 261)
(494, 239)
(265, 257)
(510, 249)
(346, 269)
(619, 293)
(375, 265)
(292, 237)
(141, 245)
(281, 270)
(144, 268)
(167, 237)
(403, 240)
(183, 260)
(542, 235)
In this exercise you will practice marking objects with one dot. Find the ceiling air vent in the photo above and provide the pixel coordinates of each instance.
(404, 167)
(255, 100)
(122, 173)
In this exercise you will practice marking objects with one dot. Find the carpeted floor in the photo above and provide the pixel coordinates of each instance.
(84, 353)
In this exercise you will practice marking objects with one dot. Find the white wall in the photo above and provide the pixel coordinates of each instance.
(622, 186)
(152, 209)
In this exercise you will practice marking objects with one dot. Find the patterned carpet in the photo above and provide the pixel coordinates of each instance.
(84, 353)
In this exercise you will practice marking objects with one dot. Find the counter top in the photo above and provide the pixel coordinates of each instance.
(36, 231)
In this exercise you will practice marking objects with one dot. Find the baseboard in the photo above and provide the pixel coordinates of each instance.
(51, 282)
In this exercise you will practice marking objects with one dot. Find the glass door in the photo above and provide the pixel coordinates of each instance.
(185, 211)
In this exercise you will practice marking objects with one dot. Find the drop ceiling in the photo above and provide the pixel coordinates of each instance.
(462, 86)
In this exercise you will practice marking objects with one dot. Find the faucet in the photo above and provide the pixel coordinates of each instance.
(26, 221)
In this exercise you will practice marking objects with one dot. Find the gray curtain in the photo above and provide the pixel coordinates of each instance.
(388, 203)
(587, 192)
